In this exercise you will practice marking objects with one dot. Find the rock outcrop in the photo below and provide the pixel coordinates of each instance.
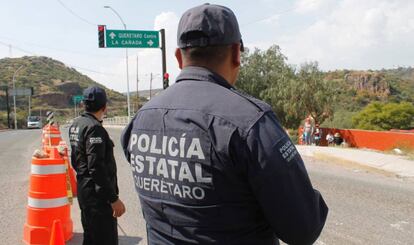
(374, 83)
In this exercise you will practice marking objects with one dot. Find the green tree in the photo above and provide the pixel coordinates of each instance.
(267, 76)
(341, 119)
(385, 116)
(292, 95)
(316, 94)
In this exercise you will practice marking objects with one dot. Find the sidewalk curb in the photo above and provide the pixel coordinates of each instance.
(353, 164)
(372, 161)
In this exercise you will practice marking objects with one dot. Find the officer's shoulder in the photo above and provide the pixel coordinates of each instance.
(232, 105)
(258, 103)
(87, 122)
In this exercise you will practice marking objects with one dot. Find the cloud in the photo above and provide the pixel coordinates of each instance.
(273, 20)
(357, 34)
(305, 6)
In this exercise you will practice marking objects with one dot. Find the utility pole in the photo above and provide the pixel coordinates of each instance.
(126, 58)
(30, 105)
(10, 51)
(14, 97)
(8, 107)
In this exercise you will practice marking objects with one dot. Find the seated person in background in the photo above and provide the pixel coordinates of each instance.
(338, 139)
(330, 138)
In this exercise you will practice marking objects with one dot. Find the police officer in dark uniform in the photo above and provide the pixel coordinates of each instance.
(93, 159)
(210, 164)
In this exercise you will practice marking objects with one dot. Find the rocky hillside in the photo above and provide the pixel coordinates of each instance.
(371, 82)
(393, 84)
(356, 89)
(53, 83)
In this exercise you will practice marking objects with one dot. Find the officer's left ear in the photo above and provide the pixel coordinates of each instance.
(179, 57)
(105, 109)
(235, 54)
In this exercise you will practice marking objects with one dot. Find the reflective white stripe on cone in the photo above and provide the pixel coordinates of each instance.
(47, 203)
(48, 169)
(52, 135)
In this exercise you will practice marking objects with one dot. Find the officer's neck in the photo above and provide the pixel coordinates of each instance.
(99, 115)
(221, 70)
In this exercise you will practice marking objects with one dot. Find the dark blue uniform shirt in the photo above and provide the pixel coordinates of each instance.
(213, 166)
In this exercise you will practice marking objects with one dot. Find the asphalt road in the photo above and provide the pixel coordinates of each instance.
(365, 207)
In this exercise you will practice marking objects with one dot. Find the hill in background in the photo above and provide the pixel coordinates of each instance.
(358, 88)
(53, 83)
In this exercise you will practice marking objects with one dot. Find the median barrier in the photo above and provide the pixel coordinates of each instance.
(121, 121)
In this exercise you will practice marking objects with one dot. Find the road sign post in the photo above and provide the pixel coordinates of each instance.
(76, 99)
(164, 60)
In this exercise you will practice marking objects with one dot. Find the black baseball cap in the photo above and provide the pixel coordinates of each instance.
(95, 96)
(208, 25)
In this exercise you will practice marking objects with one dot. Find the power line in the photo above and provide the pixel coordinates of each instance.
(90, 70)
(68, 65)
(274, 15)
(15, 47)
(63, 50)
(268, 17)
(75, 14)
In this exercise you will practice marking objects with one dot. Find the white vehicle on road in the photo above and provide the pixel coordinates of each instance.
(34, 122)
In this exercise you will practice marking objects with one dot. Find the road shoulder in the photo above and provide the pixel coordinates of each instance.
(374, 161)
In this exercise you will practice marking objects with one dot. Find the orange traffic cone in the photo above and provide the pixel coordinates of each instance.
(47, 200)
(51, 136)
(57, 238)
(71, 175)
(73, 181)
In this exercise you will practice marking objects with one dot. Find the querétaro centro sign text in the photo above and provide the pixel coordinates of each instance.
(132, 39)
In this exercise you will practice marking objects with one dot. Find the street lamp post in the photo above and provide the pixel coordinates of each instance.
(126, 55)
(14, 96)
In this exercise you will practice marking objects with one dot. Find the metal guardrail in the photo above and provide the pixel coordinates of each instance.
(116, 121)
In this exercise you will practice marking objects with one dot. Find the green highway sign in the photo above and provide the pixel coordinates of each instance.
(77, 98)
(132, 39)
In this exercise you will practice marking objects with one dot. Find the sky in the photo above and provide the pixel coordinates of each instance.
(339, 34)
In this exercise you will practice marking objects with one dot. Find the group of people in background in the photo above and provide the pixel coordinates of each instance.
(312, 134)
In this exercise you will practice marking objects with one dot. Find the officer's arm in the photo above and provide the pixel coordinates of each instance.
(279, 180)
(95, 152)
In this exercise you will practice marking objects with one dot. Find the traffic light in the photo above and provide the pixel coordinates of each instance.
(101, 35)
(165, 80)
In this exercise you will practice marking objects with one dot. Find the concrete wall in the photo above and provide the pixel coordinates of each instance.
(377, 140)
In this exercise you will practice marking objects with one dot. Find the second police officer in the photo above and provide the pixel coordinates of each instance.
(214, 166)
(93, 159)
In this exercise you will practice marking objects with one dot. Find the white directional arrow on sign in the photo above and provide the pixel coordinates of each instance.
(112, 35)
(150, 43)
